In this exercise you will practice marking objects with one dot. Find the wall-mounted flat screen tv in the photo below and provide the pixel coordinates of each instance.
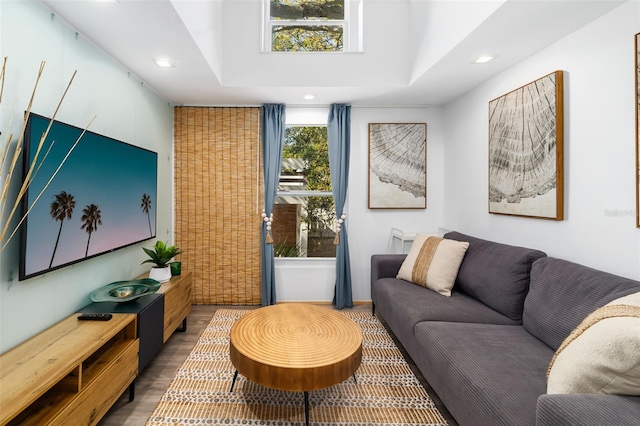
(103, 197)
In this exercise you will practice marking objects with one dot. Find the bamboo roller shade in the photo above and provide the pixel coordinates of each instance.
(219, 198)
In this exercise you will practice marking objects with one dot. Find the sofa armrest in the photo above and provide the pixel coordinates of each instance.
(587, 410)
(385, 265)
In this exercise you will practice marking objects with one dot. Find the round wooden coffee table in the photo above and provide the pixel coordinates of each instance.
(295, 347)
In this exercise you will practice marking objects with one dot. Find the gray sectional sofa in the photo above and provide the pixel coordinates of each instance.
(485, 349)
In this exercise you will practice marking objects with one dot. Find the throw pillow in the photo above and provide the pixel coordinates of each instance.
(433, 262)
(602, 355)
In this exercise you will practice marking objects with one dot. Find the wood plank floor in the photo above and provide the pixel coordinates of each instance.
(156, 377)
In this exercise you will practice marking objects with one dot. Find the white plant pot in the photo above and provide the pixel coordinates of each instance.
(160, 274)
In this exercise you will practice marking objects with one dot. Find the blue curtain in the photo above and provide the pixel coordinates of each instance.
(273, 118)
(339, 138)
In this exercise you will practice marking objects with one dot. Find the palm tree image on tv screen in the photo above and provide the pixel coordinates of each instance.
(115, 182)
(90, 221)
(146, 208)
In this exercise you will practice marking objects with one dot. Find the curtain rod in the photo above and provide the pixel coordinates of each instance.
(359, 106)
(306, 106)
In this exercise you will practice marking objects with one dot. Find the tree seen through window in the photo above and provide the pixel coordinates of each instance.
(307, 25)
(304, 214)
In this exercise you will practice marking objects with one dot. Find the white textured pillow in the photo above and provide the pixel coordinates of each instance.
(602, 355)
(433, 262)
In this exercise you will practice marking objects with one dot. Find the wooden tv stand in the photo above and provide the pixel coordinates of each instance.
(177, 302)
(74, 371)
(71, 373)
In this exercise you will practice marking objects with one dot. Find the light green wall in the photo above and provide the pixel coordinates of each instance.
(125, 109)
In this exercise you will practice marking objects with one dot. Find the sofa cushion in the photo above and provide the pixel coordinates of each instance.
(433, 263)
(485, 374)
(587, 410)
(496, 274)
(563, 293)
(402, 305)
(602, 355)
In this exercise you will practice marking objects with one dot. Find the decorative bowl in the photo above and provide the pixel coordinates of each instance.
(124, 291)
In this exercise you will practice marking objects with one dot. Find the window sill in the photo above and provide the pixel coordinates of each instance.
(294, 260)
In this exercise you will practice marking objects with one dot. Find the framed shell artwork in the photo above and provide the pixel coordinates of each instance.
(637, 74)
(525, 150)
(397, 165)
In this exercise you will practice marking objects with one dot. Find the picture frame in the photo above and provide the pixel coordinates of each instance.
(637, 173)
(526, 150)
(397, 166)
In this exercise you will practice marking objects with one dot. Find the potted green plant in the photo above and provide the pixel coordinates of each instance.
(160, 255)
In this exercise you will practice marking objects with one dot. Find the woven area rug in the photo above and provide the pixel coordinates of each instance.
(386, 392)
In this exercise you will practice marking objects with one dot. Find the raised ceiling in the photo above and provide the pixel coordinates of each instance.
(416, 52)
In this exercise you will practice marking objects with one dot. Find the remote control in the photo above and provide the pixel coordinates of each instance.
(88, 316)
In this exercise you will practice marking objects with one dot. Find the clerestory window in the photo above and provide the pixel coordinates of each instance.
(304, 213)
(312, 25)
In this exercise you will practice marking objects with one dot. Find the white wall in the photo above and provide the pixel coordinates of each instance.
(599, 150)
(126, 110)
(368, 230)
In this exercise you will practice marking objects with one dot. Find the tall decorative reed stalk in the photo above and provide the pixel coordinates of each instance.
(35, 164)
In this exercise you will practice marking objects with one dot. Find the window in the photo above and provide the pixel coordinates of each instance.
(312, 25)
(304, 213)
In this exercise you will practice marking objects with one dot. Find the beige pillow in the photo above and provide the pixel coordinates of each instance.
(602, 355)
(433, 262)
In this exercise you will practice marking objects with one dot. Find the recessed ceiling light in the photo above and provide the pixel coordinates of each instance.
(483, 59)
(309, 97)
(163, 63)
